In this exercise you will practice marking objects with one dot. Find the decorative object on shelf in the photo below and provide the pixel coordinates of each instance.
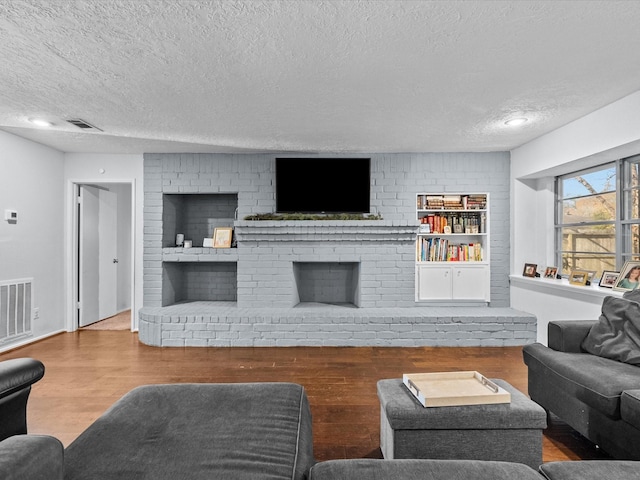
(608, 279)
(188, 243)
(179, 239)
(629, 278)
(579, 277)
(550, 272)
(207, 243)
(222, 237)
(529, 270)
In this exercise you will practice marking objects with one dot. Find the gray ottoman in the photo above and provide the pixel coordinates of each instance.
(509, 432)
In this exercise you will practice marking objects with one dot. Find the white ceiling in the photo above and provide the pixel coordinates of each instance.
(286, 75)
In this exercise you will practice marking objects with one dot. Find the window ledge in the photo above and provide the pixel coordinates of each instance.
(563, 288)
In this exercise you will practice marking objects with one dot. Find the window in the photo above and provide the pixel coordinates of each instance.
(598, 217)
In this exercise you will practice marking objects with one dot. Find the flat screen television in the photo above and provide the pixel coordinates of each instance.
(323, 185)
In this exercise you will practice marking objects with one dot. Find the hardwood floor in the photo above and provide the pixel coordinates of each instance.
(87, 371)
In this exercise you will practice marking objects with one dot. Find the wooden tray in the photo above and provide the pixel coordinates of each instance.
(454, 388)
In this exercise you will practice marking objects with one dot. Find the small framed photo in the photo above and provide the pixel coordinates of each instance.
(457, 228)
(550, 272)
(447, 230)
(608, 279)
(629, 277)
(529, 270)
(222, 237)
(579, 277)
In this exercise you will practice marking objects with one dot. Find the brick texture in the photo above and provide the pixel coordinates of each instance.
(273, 264)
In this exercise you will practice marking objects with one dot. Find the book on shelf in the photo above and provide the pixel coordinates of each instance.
(470, 223)
(437, 249)
(451, 202)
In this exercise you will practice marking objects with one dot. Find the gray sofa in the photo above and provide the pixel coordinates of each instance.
(230, 431)
(598, 397)
(158, 432)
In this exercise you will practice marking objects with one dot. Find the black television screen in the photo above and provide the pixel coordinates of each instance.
(322, 185)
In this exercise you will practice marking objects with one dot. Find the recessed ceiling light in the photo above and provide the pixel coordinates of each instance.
(514, 122)
(41, 122)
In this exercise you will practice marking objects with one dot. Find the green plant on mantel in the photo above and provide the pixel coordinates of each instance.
(311, 216)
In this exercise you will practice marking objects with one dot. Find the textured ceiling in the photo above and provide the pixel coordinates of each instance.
(343, 76)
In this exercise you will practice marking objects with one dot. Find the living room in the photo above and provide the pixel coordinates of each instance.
(41, 170)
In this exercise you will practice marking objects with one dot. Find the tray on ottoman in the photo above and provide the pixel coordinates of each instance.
(446, 389)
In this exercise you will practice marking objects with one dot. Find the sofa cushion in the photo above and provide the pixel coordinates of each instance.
(32, 457)
(591, 470)
(596, 381)
(630, 407)
(370, 469)
(198, 431)
(616, 335)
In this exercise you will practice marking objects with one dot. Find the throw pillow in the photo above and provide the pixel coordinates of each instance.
(616, 335)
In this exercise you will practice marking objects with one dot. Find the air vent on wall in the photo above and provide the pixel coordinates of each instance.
(82, 124)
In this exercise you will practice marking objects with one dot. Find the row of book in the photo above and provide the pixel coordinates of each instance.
(460, 223)
(441, 250)
(451, 202)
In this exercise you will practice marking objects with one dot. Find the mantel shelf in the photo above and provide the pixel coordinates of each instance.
(325, 231)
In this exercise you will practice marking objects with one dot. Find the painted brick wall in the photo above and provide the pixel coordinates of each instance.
(396, 178)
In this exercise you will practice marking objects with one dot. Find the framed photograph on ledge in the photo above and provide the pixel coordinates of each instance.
(529, 270)
(579, 277)
(222, 237)
(629, 277)
(608, 279)
(550, 272)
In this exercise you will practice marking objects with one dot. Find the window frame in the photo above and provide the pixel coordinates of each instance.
(616, 222)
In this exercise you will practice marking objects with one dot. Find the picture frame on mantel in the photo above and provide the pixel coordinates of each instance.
(579, 277)
(529, 270)
(222, 237)
(608, 279)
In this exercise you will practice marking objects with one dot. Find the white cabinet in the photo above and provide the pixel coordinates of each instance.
(441, 282)
(452, 248)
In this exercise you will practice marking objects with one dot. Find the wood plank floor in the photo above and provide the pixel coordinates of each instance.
(87, 371)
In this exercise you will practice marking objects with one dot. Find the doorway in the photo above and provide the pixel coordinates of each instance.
(104, 254)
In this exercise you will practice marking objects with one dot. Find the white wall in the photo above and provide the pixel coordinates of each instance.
(101, 169)
(31, 182)
(607, 134)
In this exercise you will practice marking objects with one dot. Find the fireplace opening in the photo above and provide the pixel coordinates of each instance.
(333, 283)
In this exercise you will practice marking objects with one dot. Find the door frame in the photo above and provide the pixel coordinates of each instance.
(73, 247)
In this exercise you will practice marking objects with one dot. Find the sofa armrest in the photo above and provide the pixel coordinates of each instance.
(567, 335)
(36, 457)
(19, 373)
(16, 377)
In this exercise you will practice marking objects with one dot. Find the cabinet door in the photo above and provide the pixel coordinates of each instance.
(434, 282)
(470, 282)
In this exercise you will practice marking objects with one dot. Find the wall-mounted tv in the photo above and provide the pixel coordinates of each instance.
(323, 185)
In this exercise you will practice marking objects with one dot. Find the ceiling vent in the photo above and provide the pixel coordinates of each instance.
(83, 125)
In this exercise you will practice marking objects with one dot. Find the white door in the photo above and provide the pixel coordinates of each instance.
(97, 254)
